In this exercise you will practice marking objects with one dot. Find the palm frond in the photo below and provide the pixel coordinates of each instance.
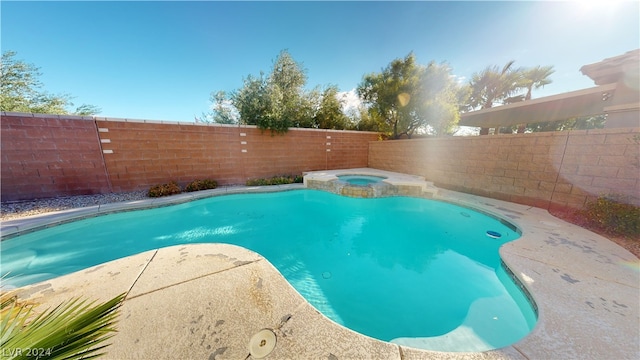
(74, 329)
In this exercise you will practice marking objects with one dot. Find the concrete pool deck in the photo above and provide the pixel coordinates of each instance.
(208, 300)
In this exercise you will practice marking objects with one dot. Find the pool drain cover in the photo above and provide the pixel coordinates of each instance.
(262, 343)
(493, 234)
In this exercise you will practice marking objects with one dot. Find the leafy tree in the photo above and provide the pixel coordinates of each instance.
(20, 91)
(389, 94)
(222, 111)
(279, 101)
(290, 106)
(253, 101)
(361, 119)
(288, 76)
(330, 114)
(86, 109)
(441, 96)
(407, 96)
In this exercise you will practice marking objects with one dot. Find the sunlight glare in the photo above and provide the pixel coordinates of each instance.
(404, 98)
(594, 7)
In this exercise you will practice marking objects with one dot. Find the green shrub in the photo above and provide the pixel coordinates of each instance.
(197, 185)
(614, 215)
(276, 180)
(256, 182)
(164, 189)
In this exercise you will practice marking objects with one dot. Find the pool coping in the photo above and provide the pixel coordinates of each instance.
(585, 286)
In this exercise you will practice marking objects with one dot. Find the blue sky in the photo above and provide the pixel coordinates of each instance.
(161, 60)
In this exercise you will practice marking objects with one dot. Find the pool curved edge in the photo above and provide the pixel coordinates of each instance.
(219, 296)
(15, 227)
(580, 281)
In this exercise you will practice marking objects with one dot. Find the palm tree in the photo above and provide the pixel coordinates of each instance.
(536, 77)
(494, 85)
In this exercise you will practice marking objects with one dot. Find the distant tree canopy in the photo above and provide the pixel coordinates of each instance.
(20, 91)
(576, 123)
(330, 114)
(278, 101)
(222, 111)
(403, 99)
(407, 96)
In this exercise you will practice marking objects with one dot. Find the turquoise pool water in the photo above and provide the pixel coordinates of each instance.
(361, 180)
(413, 271)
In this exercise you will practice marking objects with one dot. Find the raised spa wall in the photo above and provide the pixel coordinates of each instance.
(392, 185)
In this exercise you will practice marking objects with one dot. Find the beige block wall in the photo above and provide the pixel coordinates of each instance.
(552, 169)
(51, 155)
(141, 154)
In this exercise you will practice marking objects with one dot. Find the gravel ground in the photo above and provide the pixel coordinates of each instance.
(17, 209)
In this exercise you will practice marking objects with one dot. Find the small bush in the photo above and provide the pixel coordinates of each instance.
(614, 216)
(197, 185)
(164, 189)
(257, 182)
(276, 180)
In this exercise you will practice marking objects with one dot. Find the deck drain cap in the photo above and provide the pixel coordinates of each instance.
(262, 343)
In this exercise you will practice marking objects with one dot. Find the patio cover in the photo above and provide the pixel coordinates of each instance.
(591, 101)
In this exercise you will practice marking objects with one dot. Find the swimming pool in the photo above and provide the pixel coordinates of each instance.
(413, 271)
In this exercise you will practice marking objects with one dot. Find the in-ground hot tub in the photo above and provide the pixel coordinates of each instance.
(367, 182)
(361, 180)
